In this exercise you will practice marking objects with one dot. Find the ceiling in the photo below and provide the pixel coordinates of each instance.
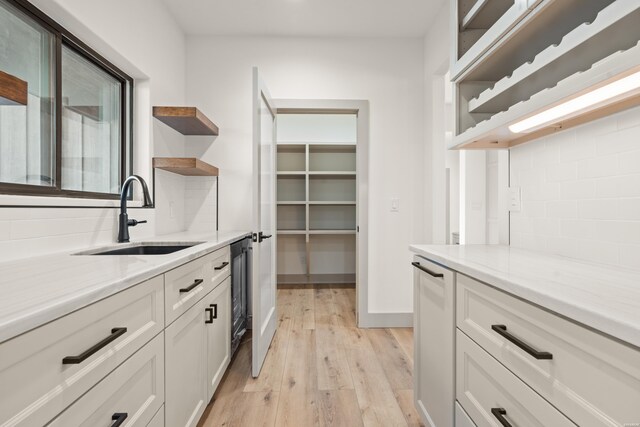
(306, 18)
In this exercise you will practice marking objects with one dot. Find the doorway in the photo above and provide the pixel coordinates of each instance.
(321, 215)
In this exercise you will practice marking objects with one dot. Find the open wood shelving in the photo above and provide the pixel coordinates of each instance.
(186, 166)
(187, 120)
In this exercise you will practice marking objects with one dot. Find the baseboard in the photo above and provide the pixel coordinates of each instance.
(385, 320)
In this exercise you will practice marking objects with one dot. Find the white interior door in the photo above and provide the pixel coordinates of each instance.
(264, 210)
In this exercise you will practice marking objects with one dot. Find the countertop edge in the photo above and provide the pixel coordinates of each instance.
(19, 325)
(603, 324)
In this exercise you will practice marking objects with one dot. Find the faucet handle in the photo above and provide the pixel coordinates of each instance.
(133, 222)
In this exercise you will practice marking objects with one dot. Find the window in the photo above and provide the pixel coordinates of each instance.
(71, 138)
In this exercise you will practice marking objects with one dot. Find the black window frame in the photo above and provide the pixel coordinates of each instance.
(63, 37)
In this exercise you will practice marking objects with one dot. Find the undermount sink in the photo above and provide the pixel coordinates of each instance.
(156, 248)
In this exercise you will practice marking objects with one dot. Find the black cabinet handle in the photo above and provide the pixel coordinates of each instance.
(431, 273)
(499, 413)
(118, 418)
(221, 266)
(74, 360)
(212, 311)
(215, 310)
(540, 355)
(192, 287)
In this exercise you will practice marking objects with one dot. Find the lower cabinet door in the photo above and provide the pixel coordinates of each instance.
(186, 368)
(218, 325)
(131, 395)
(462, 419)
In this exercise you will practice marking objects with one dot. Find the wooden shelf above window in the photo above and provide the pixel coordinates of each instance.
(187, 166)
(186, 120)
(13, 91)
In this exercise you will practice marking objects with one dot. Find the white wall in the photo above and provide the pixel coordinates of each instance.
(581, 192)
(147, 44)
(387, 72)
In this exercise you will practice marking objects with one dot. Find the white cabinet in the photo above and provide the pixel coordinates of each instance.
(434, 325)
(186, 367)
(218, 330)
(57, 363)
(133, 393)
(198, 351)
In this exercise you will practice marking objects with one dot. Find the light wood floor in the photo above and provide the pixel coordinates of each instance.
(321, 370)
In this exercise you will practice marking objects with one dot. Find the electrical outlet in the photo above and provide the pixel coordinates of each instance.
(515, 199)
(395, 205)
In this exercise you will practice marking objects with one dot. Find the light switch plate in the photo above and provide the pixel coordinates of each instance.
(515, 199)
(395, 205)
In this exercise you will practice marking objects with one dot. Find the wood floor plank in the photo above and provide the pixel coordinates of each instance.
(270, 378)
(405, 400)
(395, 363)
(332, 363)
(297, 404)
(404, 336)
(325, 311)
(345, 310)
(302, 309)
(339, 408)
(258, 410)
(377, 402)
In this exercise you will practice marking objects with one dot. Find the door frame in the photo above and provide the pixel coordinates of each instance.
(361, 109)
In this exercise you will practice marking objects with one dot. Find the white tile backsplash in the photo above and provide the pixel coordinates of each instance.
(581, 192)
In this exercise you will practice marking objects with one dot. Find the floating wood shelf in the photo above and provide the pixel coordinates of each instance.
(13, 91)
(186, 120)
(187, 166)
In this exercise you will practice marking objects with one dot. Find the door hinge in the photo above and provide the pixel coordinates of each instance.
(254, 237)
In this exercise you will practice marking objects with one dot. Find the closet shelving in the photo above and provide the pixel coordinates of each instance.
(566, 48)
(316, 208)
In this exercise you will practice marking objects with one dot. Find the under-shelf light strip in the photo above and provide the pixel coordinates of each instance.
(583, 102)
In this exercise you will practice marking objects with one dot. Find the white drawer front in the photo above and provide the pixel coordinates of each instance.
(488, 391)
(34, 361)
(134, 393)
(592, 379)
(185, 286)
(219, 263)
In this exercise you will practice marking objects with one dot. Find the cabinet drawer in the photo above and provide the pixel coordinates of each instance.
(488, 391)
(592, 379)
(34, 361)
(219, 263)
(218, 325)
(134, 392)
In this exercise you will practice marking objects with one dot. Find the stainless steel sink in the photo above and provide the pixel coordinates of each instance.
(153, 248)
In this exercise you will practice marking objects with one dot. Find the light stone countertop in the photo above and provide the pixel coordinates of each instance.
(603, 298)
(41, 289)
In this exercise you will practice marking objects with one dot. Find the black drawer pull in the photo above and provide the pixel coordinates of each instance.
(215, 310)
(221, 266)
(192, 287)
(500, 413)
(74, 360)
(429, 272)
(540, 355)
(118, 418)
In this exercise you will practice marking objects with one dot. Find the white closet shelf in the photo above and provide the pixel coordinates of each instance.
(484, 13)
(291, 203)
(317, 279)
(332, 173)
(330, 232)
(291, 173)
(584, 44)
(293, 232)
(319, 143)
(333, 202)
(495, 133)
